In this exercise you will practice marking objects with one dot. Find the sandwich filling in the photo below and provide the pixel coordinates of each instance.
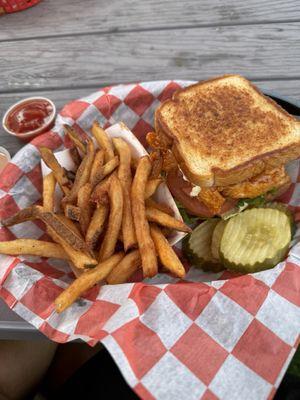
(219, 200)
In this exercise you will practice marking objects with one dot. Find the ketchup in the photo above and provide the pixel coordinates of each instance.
(29, 116)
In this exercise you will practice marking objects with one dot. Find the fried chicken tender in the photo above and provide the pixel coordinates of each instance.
(258, 185)
(212, 198)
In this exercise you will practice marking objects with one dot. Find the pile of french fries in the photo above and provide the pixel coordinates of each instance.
(107, 224)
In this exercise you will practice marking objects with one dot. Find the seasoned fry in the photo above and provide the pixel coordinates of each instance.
(97, 171)
(157, 163)
(71, 224)
(142, 230)
(161, 218)
(70, 175)
(120, 238)
(100, 193)
(165, 252)
(59, 172)
(96, 226)
(75, 138)
(78, 258)
(134, 163)
(75, 156)
(110, 166)
(62, 229)
(76, 271)
(114, 221)
(151, 187)
(103, 141)
(72, 212)
(124, 175)
(86, 281)
(26, 214)
(85, 206)
(130, 263)
(160, 206)
(83, 173)
(107, 199)
(49, 191)
(34, 248)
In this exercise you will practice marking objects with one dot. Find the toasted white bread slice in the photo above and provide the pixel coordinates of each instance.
(225, 130)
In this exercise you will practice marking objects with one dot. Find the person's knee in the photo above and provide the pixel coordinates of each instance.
(23, 365)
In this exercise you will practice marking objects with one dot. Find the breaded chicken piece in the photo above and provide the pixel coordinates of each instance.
(259, 184)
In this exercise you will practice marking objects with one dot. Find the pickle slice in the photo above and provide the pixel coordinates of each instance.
(197, 246)
(284, 208)
(216, 239)
(255, 240)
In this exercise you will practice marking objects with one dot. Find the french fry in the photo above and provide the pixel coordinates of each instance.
(160, 206)
(70, 175)
(85, 206)
(165, 252)
(86, 281)
(97, 171)
(58, 171)
(76, 271)
(34, 248)
(49, 191)
(62, 229)
(72, 212)
(81, 260)
(110, 166)
(161, 218)
(27, 214)
(127, 266)
(71, 224)
(96, 226)
(120, 238)
(124, 175)
(151, 187)
(78, 258)
(100, 193)
(75, 138)
(124, 211)
(157, 163)
(134, 163)
(165, 231)
(83, 173)
(103, 141)
(142, 230)
(75, 156)
(114, 220)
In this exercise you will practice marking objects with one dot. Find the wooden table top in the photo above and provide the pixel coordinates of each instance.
(66, 49)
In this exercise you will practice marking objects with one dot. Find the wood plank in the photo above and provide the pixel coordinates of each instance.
(75, 16)
(258, 52)
(287, 88)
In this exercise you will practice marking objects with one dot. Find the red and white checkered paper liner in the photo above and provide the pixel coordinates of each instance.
(208, 336)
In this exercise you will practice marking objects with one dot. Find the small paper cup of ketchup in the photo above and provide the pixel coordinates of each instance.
(29, 118)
